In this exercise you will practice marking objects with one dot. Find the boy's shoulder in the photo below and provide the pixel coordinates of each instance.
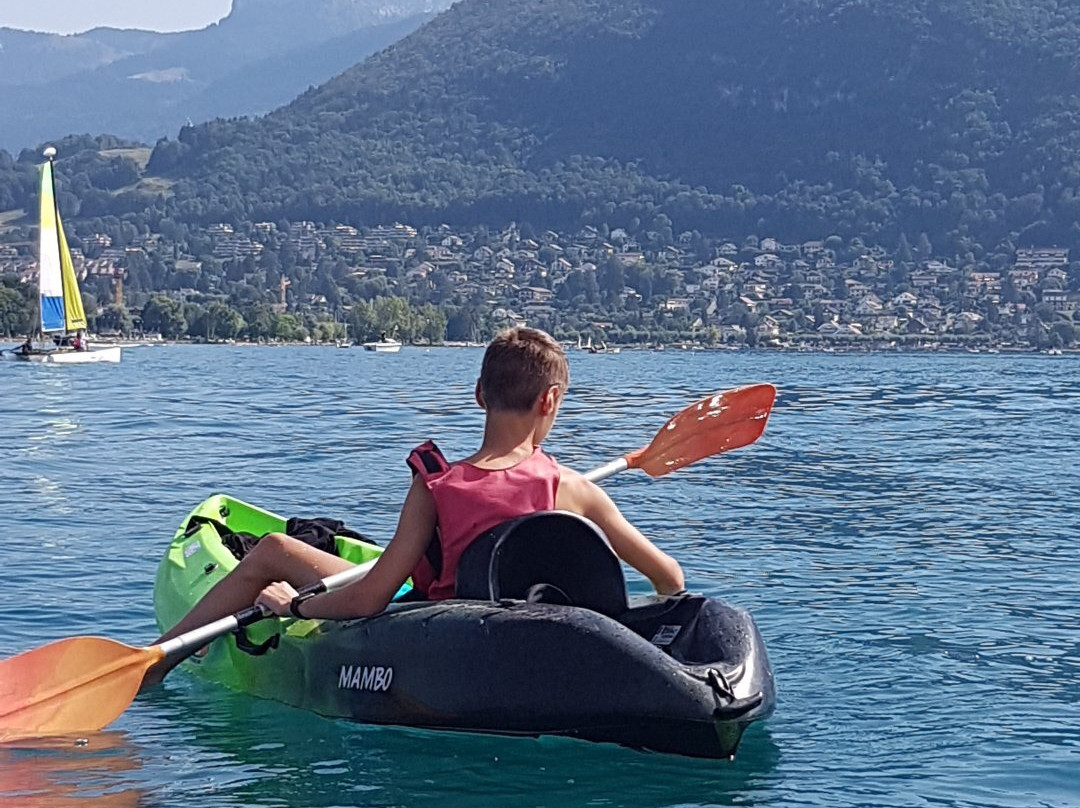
(575, 483)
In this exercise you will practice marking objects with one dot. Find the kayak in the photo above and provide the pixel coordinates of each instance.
(541, 640)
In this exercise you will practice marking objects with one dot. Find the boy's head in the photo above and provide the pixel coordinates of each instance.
(519, 365)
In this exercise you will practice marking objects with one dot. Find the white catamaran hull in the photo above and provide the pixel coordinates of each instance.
(110, 354)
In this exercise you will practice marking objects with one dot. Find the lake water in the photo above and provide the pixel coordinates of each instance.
(905, 534)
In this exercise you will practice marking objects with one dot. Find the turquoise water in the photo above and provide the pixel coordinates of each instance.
(905, 534)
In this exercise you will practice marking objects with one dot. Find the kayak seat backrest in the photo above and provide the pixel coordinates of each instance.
(549, 556)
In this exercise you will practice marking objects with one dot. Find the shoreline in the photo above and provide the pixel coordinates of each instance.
(674, 348)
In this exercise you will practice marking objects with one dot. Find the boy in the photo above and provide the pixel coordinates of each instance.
(522, 381)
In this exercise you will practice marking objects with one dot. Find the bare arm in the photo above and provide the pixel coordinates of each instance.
(373, 592)
(580, 496)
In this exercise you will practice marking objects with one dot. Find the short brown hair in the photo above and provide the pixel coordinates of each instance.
(519, 365)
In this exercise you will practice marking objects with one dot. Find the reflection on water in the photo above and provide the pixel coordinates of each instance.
(333, 763)
(904, 533)
(93, 771)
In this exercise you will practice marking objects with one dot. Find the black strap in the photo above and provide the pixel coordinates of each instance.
(433, 460)
(295, 603)
(195, 522)
(244, 643)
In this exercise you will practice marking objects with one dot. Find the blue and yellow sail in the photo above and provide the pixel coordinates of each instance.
(61, 303)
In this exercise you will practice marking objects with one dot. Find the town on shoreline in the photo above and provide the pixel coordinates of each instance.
(606, 288)
(140, 340)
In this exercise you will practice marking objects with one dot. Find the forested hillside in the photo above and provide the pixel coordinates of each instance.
(954, 118)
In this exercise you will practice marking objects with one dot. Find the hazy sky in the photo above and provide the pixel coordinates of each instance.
(70, 16)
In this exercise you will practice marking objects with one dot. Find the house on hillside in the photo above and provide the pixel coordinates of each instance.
(883, 323)
(1058, 298)
(1057, 274)
(983, 283)
(676, 304)
(1042, 257)
(835, 330)
(869, 306)
(768, 328)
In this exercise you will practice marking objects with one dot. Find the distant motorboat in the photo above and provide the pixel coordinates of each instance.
(383, 345)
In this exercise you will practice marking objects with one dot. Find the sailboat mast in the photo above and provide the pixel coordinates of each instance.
(50, 154)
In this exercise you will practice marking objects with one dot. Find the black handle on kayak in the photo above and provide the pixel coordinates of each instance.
(253, 614)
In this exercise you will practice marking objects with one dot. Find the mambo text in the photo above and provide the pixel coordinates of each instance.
(365, 678)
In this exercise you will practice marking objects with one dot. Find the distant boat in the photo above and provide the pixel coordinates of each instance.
(383, 345)
(603, 347)
(344, 342)
(59, 302)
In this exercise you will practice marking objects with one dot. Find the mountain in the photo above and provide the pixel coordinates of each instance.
(801, 116)
(145, 85)
(795, 118)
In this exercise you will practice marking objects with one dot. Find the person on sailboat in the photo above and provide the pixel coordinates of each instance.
(79, 344)
(27, 347)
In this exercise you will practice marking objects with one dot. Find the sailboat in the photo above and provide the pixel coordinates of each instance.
(344, 342)
(603, 347)
(60, 304)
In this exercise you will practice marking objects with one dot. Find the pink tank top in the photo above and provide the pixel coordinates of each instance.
(471, 500)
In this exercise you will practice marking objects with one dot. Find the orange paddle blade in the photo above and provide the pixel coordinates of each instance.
(718, 423)
(76, 685)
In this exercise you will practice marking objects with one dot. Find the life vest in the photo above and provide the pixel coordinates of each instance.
(470, 501)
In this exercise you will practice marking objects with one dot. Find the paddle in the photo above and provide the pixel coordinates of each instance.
(716, 424)
(81, 684)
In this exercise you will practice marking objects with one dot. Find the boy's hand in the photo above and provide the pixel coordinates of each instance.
(276, 598)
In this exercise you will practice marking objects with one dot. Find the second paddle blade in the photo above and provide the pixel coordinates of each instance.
(79, 684)
(716, 424)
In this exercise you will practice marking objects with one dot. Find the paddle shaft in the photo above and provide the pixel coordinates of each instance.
(606, 470)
